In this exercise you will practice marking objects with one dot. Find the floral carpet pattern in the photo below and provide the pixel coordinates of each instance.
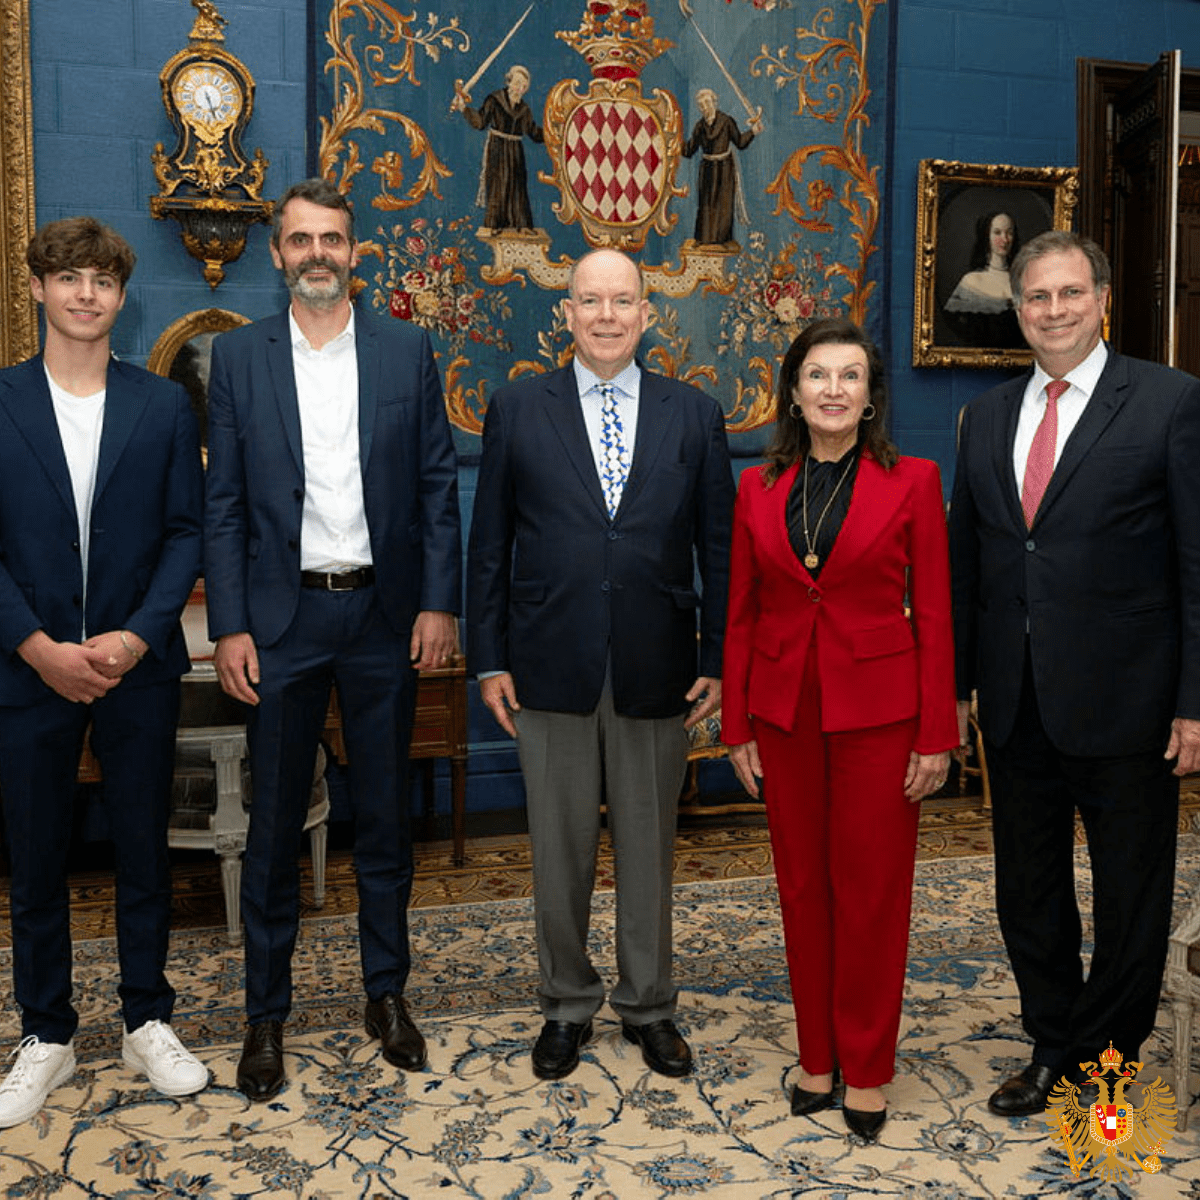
(476, 1123)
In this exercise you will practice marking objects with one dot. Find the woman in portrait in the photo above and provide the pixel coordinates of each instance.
(839, 698)
(980, 309)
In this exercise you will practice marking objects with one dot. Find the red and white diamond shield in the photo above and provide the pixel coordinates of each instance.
(615, 159)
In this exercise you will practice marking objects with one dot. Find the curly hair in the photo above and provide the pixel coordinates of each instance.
(76, 242)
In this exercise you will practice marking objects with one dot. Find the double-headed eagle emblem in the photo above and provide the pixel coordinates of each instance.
(1112, 1134)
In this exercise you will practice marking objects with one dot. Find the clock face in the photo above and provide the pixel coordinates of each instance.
(207, 95)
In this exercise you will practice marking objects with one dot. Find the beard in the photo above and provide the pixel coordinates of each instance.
(318, 295)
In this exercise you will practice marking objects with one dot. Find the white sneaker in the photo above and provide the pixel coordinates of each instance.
(153, 1050)
(40, 1068)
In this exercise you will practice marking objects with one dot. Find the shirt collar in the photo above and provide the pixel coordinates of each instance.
(300, 342)
(1084, 377)
(625, 382)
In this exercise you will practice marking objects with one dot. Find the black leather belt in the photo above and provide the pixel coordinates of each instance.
(338, 581)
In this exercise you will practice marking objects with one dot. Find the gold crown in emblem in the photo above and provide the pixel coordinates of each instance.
(1110, 1057)
(616, 39)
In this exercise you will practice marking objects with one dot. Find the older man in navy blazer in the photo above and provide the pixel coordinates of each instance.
(100, 517)
(1075, 546)
(603, 490)
(332, 556)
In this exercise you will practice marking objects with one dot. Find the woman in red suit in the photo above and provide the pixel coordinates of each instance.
(839, 697)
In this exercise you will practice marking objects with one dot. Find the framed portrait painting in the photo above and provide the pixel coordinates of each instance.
(971, 220)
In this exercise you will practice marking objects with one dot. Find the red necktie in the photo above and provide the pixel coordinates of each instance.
(1040, 464)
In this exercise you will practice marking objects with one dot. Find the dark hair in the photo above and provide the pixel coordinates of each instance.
(1058, 241)
(80, 242)
(315, 191)
(982, 250)
(791, 440)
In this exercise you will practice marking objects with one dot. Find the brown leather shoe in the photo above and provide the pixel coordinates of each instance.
(260, 1070)
(663, 1048)
(1024, 1094)
(387, 1019)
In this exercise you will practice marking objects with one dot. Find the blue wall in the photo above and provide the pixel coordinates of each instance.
(984, 81)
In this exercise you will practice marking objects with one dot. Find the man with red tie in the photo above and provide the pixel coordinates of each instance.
(1075, 547)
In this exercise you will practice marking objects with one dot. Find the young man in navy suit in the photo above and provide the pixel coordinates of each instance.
(603, 490)
(100, 529)
(332, 555)
(1075, 547)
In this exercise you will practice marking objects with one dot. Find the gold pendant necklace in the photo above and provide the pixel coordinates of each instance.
(812, 559)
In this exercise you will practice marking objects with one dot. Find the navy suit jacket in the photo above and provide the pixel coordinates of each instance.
(554, 586)
(1108, 579)
(256, 478)
(145, 524)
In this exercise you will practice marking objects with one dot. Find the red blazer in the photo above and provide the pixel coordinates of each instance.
(876, 664)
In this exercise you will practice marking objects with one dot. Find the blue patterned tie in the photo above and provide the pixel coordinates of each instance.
(614, 459)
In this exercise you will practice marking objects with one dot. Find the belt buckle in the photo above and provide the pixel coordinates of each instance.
(333, 575)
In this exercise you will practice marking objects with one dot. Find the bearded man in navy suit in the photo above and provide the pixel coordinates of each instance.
(603, 490)
(100, 518)
(1075, 547)
(332, 556)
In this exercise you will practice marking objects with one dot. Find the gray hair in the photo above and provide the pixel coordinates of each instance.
(1058, 241)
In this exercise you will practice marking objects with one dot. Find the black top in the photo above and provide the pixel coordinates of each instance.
(823, 478)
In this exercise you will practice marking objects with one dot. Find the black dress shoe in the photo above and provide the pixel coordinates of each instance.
(1024, 1094)
(805, 1102)
(863, 1123)
(556, 1051)
(387, 1019)
(260, 1071)
(663, 1049)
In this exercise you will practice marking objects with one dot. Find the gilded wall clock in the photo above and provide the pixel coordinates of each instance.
(207, 183)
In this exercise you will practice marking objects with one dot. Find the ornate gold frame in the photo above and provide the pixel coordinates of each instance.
(179, 333)
(1061, 183)
(18, 312)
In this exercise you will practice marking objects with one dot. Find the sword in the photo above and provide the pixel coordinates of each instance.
(464, 89)
(755, 114)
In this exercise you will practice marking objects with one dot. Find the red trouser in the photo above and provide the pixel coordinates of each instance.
(844, 839)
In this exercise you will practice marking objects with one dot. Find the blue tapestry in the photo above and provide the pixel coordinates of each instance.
(733, 147)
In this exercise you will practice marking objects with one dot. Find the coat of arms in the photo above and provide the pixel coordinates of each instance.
(1111, 1133)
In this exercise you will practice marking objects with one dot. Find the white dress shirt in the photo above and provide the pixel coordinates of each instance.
(80, 421)
(333, 528)
(1071, 403)
(626, 389)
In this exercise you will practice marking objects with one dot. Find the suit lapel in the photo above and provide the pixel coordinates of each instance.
(367, 353)
(655, 416)
(283, 380)
(25, 396)
(1103, 404)
(125, 397)
(565, 416)
(1002, 450)
(779, 544)
(876, 498)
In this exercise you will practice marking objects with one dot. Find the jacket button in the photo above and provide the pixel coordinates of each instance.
(1031, 544)
(814, 595)
(613, 535)
(298, 494)
(75, 546)
(606, 586)
(292, 543)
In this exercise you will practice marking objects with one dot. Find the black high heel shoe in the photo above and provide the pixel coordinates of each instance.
(804, 1102)
(864, 1124)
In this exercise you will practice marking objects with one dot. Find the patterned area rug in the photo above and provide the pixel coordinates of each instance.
(477, 1124)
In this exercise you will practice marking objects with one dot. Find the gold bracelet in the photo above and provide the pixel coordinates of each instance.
(125, 642)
